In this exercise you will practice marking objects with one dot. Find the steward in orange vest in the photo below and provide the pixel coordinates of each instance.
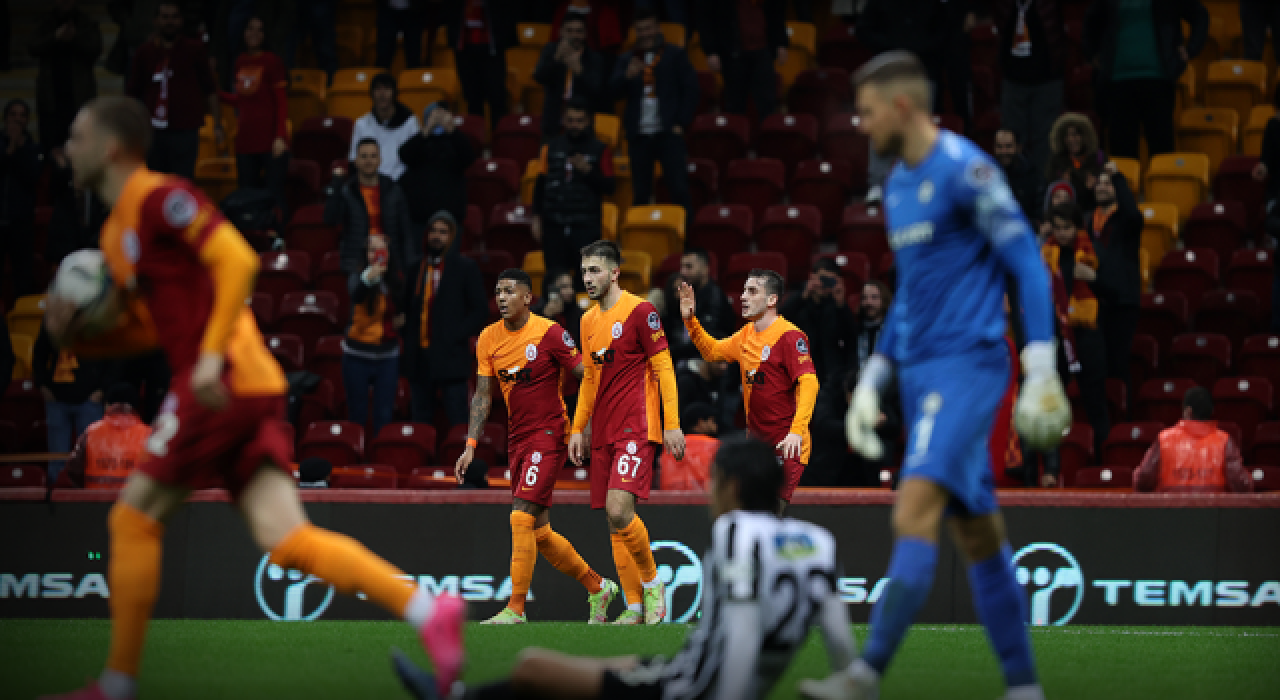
(693, 473)
(113, 447)
(1193, 456)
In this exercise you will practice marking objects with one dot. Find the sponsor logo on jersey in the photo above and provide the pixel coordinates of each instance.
(764, 354)
(568, 340)
(179, 208)
(793, 546)
(616, 331)
(754, 378)
(518, 375)
(603, 356)
(654, 322)
(531, 352)
(915, 234)
(925, 193)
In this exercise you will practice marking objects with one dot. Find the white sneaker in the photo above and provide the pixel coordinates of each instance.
(858, 682)
(1024, 692)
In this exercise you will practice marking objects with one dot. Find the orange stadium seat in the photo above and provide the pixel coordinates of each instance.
(1213, 131)
(719, 138)
(535, 265)
(792, 230)
(1159, 228)
(350, 42)
(310, 315)
(511, 229)
(658, 230)
(23, 355)
(803, 38)
(288, 351)
(281, 273)
(1187, 96)
(1255, 127)
(307, 90)
(609, 220)
(757, 183)
(1128, 442)
(1181, 179)
(1104, 478)
(217, 177)
(492, 181)
(348, 95)
(533, 34)
(27, 315)
(623, 193)
(442, 55)
(1192, 272)
(1200, 357)
(722, 230)
(1232, 313)
(339, 441)
(1131, 168)
(404, 446)
(1237, 85)
(635, 273)
(789, 138)
(420, 87)
(1245, 401)
(529, 180)
(1260, 357)
(825, 185)
(522, 89)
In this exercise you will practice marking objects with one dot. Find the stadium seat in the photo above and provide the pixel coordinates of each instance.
(1221, 226)
(333, 279)
(1181, 179)
(27, 315)
(843, 140)
(704, 183)
(789, 138)
(719, 138)
(323, 140)
(1229, 312)
(826, 185)
(1233, 431)
(1160, 400)
(862, 230)
(1265, 478)
(1104, 478)
(511, 229)
(263, 309)
(609, 220)
(708, 93)
(287, 349)
(308, 234)
(635, 273)
(792, 230)
(309, 315)
(1075, 452)
(367, 476)
(1266, 443)
(722, 230)
(217, 177)
(23, 356)
(17, 476)
(803, 39)
(1191, 272)
(854, 268)
(1252, 270)
(1117, 398)
(533, 34)
(350, 42)
(1254, 128)
(432, 479)
(741, 264)
(339, 441)
(1131, 168)
(1213, 131)
(529, 180)
(841, 47)
(623, 192)
(348, 94)
(420, 87)
(1236, 85)
(1187, 95)
(757, 183)
(535, 265)
(820, 92)
(320, 404)
(1128, 442)
(1200, 357)
(1144, 358)
(522, 89)
(657, 230)
(672, 32)
(10, 439)
(302, 184)
(1260, 357)
(609, 130)
(1245, 401)
(491, 447)
(476, 129)
(1234, 182)
(491, 264)
(307, 90)
(518, 138)
(325, 360)
(281, 273)
(491, 182)
(1159, 228)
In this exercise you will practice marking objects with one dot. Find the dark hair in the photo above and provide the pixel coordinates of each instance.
(240, 39)
(1068, 211)
(694, 414)
(550, 277)
(572, 16)
(578, 104)
(384, 80)
(604, 249)
(643, 13)
(773, 282)
(755, 467)
(886, 294)
(16, 102)
(368, 141)
(1200, 401)
(699, 253)
(121, 393)
(126, 119)
(825, 263)
(518, 276)
(890, 66)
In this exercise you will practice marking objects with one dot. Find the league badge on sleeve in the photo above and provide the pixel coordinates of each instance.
(654, 322)
(978, 173)
(568, 340)
(764, 354)
(801, 346)
(179, 209)
(531, 352)
(616, 332)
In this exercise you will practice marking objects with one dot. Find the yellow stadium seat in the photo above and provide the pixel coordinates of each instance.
(609, 220)
(697, 56)
(608, 130)
(623, 195)
(217, 177)
(1236, 84)
(657, 230)
(534, 34)
(536, 267)
(307, 90)
(1159, 228)
(1187, 95)
(801, 54)
(521, 87)
(1144, 263)
(634, 274)
(1255, 128)
(532, 170)
(672, 32)
(1131, 168)
(209, 141)
(27, 315)
(350, 43)
(1213, 131)
(1211, 52)
(23, 350)
(441, 52)
(357, 13)
(422, 86)
(1181, 179)
(349, 94)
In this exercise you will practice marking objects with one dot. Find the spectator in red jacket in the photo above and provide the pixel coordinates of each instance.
(1193, 456)
(262, 140)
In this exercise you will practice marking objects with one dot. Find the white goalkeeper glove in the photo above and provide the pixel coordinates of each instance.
(1042, 414)
(864, 411)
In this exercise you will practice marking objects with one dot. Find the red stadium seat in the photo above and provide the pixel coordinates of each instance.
(841, 47)
(1200, 357)
(1163, 316)
(854, 268)
(722, 230)
(23, 406)
(1160, 400)
(302, 184)
(1192, 272)
(323, 140)
(1245, 401)
(333, 279)
(1229, 312)
(704, 184)
(862, 230)
(308, 233)
(491, 264)
(1266, 443)
(318, 405)
(511, 230)
(1117, 398)
(987, 121)
(281, 273)
(1104, 478)
(339, 441)
(404, 400)
(984, 46)
(491, 447)
(263, 310)
(476, 129)
(820, 92)
(404, 446)
(325, 360)
(1233, 431)
(885, 270)
(17, 476)
(1260, 357)
(741, 264)
(719, 138)
(518, 138)
(708, 93)
(1144, 358)
(1265, 478)
(368, 476)
(843, 140)
(287, 349)
(1128, 442)
(1075, 451)
(492, 181)
(825, 185)
(792, 230)
(1234, 183)
(432, 479)
(309, 315)
(756, 183)
(10, 439)
(1253, 270)
(1221, 226)
(473, 229)
(789, 138)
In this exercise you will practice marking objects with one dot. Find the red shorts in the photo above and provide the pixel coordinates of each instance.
(792, 470)
(535, 465)
(192, 447)
(626, 465)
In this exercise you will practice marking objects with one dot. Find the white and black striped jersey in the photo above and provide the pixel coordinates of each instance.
(766, 582)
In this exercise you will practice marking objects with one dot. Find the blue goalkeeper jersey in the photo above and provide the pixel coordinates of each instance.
(957, 234)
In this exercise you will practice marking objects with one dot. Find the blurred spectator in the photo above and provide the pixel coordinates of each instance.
(604, 30)
(480, 32)
(957, 74)
(577, 173)
(1115, 226)
(389, 123)
(1058, 193)
(698, 421)
(111, 448)
(72, 390)
(559, 302)
(78, 214)
(1194, 456)
(7, 359)
(262, 108)
(1023, 179)
(1139, 50)
(172, 77)
(371, 348)
(367, 204)
(1075, 156)
(67, 44)
(447, 304)
(742, 40)
(20, 164)
(569, 70)
(313, 473)
(396, 18)
(1269, 162)
(832, 463)
(713, 309)
(822, 312)
(661, 90)
(874, 306)
(317, 18)
(1033, 54)
(435, 160)
(136, 20)
(1256, 17)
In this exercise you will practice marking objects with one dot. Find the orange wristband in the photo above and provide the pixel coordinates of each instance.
(471, 442)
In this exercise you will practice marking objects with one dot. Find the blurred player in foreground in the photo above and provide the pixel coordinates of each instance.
(180, 275)
(628, 395)
(767, 579)
(528, 354)
(957, 234)
(779, 386)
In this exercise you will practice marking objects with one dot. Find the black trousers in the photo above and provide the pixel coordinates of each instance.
(1091, 351)
(16, 245)
(562, 246)
(666, 148)
(1256, 16)
(484, 81)
(392, 22)
(1141, 107)
(750, 72)
(263, 171)
(174, 151)
(1117, 324)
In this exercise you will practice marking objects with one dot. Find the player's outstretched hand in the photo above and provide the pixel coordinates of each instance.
(577, 448)
(861, 421)
(790, 446)
(1042, 413)
(674, 442)
(688, 301)
(464, 462)
(206, 382)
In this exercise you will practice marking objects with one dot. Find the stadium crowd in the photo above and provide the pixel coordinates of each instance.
(390, 159)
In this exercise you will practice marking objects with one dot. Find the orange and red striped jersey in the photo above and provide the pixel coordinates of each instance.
(528, 364)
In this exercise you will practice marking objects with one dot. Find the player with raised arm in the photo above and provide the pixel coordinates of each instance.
(766, 581)
(779, 386)
(957, 235)
(179, 276)
(628, 395)
(527, 354)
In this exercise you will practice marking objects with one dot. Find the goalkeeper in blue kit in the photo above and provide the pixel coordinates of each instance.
(957, 235)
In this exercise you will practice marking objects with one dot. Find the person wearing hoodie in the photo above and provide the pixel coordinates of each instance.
(367, 204)
(435, 160)
(1060, 192)
(446, 305)
(1074, 156)
(389, 123)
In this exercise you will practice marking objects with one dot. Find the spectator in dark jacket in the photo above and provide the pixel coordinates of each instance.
(407, 18)
(559, 302)
(569, 69)
(78, 214)
(1256, 17)
(1115, 226)
(7, 358)
(1138, 47)
(823, 313)
(72, 390)
(435, 160)
(832, 463)
(1074, 156)
(1033, 56)
(20, 164)
(67, 44)
(371, 347)
(1268, 163)
(366, 204)
(713, 310)
(742, 41)
(480, 32)
(1023, 179)
(446, 305)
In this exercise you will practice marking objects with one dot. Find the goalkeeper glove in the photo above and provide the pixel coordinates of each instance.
(1042, 414)
(864, 410)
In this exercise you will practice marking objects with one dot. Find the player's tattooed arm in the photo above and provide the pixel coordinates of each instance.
(481, 403)
(579, 370)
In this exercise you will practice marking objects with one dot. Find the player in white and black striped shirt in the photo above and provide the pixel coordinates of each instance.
(767, 581)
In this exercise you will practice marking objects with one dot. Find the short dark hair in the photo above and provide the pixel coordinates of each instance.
(578, 104)
(695, 413)
(550, 278)
(699, 253)
(384, 80)
(886, 294)
(893, 67)
(604, 249)
(518, 276)
(1068, 211)
(368, 141)
(122, 393)
(1200, 401)
(571, 16)
(754, 465)
(827, 264)
(126, 119)
(773, 282)
(16, 102)
(643, 13)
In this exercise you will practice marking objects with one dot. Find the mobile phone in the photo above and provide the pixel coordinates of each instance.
(828, 282)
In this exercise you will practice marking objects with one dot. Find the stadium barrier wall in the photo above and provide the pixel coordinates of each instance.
(1102, 558)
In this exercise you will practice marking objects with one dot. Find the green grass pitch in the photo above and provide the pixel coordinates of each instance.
(314, 660)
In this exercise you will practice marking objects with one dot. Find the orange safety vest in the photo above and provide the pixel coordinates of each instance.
(114, 446)
(1193, 456)
(694, 472)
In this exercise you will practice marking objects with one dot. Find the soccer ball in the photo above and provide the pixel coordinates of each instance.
(83, 278)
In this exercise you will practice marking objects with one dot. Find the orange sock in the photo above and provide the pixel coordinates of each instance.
(565, 558)
(628, 575)
(133, 574)
(636, 537)
(524, 554)
(346, 564)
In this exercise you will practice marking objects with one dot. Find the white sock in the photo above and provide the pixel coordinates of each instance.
(635, 607)
(1025, 692)
(652, 584)
(862, 669)
(419, 609)
(117, 685)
